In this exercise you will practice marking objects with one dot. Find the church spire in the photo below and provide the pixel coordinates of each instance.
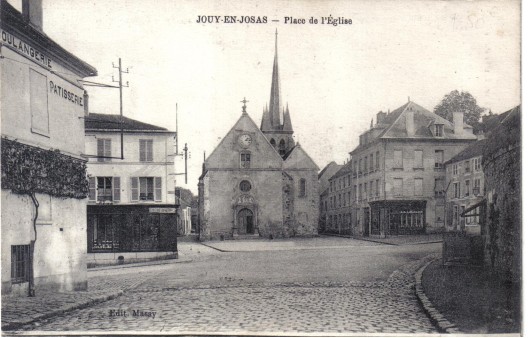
(275, 94)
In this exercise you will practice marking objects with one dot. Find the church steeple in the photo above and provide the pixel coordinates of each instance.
(278, 133)
(275, 94)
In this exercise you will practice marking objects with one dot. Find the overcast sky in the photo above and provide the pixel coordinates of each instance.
(334, 78)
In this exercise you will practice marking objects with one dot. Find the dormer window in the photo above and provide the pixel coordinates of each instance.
(438, 130)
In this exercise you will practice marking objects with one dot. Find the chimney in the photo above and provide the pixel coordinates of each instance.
(32, 12)
(380, 117)
(86, 102)
(409, 119)
(458, 121)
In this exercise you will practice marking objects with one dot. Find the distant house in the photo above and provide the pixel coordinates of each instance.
(44, 186)
(188, 211)
(339, 213)
(132, 211)
(323, 189)
(398, 170)
(465, 188)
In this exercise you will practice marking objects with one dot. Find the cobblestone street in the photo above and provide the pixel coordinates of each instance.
(368, 289)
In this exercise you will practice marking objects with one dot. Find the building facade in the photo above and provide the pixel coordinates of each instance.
(339, 213)
(323, 189)
(398, 171)
(44, 185)
(465, 188)
(257, 181)
(132, 213)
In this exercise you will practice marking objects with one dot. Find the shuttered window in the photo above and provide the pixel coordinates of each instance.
(134, 189)
(146, 189)
(116, 189)
(158, 189)
(146, 150)
(104, 149)
(92, 189)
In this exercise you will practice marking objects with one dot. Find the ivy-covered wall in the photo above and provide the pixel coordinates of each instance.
(27, 169)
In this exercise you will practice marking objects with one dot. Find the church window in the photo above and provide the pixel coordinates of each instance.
(272, 142)
(282, 147)
(245, 160)
(302, 187)
(245, 186)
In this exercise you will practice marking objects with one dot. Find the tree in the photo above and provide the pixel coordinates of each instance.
(464, 102)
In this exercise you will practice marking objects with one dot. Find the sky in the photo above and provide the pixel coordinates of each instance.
(334, 78)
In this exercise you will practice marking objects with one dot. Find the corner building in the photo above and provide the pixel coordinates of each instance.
(44, 186)
(257, 182)
(398, 171)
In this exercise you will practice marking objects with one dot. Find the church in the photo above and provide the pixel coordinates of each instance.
(257, 182)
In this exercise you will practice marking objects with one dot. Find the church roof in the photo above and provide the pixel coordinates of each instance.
(109, 122)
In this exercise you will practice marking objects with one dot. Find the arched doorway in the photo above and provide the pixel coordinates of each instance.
(245, 221)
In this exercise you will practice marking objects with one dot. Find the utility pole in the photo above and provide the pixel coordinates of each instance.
(120, 86)
(186, 165)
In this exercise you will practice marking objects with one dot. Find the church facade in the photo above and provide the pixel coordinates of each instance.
(257, 182)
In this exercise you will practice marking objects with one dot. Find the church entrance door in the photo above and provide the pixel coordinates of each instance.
(245, 220)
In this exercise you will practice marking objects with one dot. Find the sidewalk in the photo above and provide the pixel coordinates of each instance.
(398, 240)
(104, 283)
(475, 300)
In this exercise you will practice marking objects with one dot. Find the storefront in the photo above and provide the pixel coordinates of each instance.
(131, 228)
(397, 217)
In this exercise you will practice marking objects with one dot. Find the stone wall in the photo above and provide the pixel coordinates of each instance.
(503, 228)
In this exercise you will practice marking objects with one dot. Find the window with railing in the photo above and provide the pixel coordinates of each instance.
(146, 189)
(467, 188)
(467, 167)
(104, 189)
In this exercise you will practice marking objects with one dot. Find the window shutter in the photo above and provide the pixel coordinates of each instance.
(107, 148)
(134, 188)
(149, 150)
(142, 151)
(92, 189)
(100, 150)
(116, 189)
(158, 189)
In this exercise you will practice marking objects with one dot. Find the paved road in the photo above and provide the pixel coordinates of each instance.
(337, 287)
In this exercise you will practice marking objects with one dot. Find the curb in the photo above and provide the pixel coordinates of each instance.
(367, 239)
(99, 299)
(135, 265)
(442, 324)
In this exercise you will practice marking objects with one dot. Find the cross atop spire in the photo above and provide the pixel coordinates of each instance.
(244, 101)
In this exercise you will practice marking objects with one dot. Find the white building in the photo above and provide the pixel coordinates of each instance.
(44, 185)
(132, 211)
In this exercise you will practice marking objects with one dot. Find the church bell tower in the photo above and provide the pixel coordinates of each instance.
(278, 132)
